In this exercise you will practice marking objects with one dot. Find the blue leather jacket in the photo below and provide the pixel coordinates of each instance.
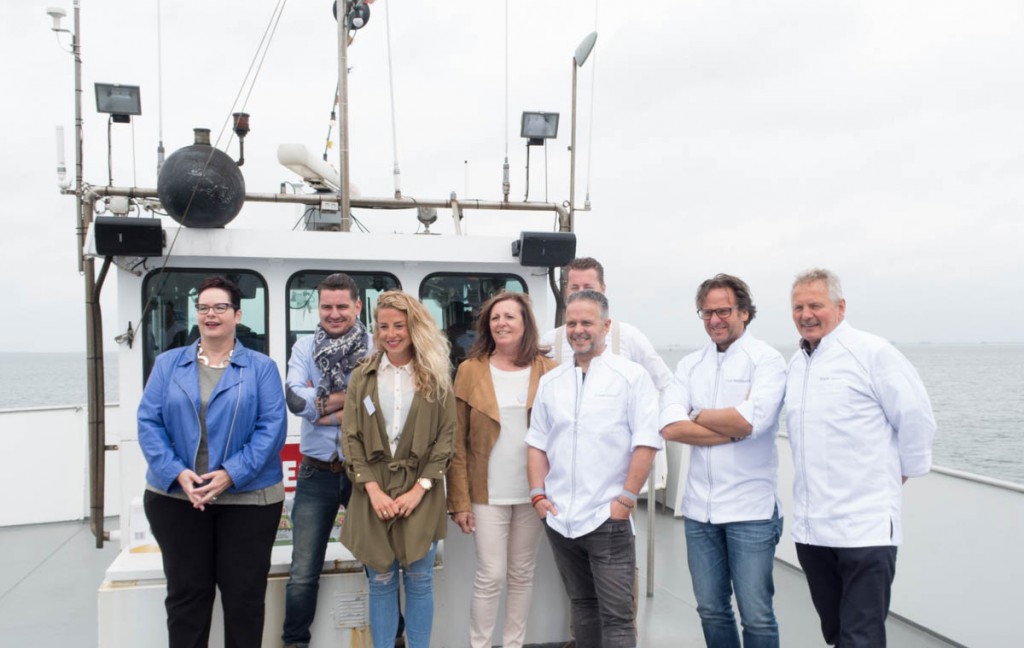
(245, 419)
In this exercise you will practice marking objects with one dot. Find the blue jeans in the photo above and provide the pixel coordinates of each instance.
(318, 494)
(598, 572)
(419, 602)
(736, 556)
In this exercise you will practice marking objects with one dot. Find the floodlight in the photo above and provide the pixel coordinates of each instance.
(119, 101)
(539, 126)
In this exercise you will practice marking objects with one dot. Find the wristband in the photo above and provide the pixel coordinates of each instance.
(629, 504)
(536, 491)
(537, 498)
(631, 496)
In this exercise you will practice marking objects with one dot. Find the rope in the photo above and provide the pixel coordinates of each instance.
(506, 78)
(391, 90)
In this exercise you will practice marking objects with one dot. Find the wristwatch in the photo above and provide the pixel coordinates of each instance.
(425, 484)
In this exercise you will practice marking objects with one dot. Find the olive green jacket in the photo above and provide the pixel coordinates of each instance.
(424, 450)
(477, 428)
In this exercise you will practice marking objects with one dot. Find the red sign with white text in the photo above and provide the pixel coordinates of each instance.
(290, 460)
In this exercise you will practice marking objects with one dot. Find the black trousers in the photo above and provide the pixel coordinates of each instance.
(226, 547)
(850, 588)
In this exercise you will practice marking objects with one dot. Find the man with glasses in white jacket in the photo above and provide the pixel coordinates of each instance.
(860, 423)
(724, 402)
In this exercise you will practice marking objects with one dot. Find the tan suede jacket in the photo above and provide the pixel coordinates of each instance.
(477, 427)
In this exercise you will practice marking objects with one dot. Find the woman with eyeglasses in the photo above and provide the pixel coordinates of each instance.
(397, 430)
(211, 426)
(488, 493)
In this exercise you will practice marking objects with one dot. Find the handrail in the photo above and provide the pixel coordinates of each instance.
(963, 474)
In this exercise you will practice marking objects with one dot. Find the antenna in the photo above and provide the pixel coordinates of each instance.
(57, 14)
(62, 170)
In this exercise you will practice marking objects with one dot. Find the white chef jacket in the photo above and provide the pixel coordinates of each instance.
(734, 482)
(589, 430)
(629, 342)
(858, 419)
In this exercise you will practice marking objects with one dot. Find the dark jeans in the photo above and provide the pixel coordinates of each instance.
(850, 588)
(318, 494)
(597, 570)
(226, 547)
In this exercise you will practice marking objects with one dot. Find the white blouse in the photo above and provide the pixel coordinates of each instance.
(506, 469)
(396, 387)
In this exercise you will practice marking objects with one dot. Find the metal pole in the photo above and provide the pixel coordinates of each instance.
(572, 156)
(343, 191)
(651, 511)
(93, 322)
(76, 53)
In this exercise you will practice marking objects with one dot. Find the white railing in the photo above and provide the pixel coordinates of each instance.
(44, 458)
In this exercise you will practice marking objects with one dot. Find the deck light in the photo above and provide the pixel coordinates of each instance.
(538, 126)
(119, 101)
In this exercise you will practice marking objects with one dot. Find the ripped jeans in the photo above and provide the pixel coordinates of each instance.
(419, 602)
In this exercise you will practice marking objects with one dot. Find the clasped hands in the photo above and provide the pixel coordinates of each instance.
(204, 489)
(387, 508)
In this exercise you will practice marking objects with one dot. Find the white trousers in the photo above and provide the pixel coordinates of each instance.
(506, 538)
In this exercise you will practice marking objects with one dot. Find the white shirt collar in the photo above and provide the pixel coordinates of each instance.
(386, 365)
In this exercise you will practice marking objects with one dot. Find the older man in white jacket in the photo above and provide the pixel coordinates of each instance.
(860, 423)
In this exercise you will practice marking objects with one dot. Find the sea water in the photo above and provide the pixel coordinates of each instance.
(977, 393)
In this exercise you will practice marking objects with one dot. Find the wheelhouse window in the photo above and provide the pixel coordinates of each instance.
(303, 306)
(455, 299)
(171, 320)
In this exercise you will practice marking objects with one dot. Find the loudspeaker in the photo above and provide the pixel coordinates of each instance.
(120, 236)
(545, 249)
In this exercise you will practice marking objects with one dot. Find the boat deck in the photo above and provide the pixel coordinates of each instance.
(49, 574)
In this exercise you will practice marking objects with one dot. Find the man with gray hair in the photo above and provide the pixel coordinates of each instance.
(860, 423)
(593, 435)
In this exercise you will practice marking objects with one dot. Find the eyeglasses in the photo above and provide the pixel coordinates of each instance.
(721, 312)
(220, 309)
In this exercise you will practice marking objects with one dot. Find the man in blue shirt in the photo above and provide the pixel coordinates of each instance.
(318, 374)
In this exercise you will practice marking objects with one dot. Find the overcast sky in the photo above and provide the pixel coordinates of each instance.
(883, 140)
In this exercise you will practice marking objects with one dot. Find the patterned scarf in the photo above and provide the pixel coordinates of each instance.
(337, 357)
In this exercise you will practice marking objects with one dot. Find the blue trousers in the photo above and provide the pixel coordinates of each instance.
(318, 494)
(734, 557)
(418, 579)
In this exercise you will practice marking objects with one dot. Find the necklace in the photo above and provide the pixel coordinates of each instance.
(209, 363)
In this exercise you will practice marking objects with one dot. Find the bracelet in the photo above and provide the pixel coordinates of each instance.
(630, 496)
(536, 491)
(537, 498)
(628, 503)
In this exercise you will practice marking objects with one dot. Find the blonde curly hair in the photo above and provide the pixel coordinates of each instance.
(431, 366)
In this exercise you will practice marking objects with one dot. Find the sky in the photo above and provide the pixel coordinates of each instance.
(883, 140)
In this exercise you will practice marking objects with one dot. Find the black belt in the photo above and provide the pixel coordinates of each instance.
(335, 466)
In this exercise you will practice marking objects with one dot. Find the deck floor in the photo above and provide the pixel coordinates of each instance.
(49, 574)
